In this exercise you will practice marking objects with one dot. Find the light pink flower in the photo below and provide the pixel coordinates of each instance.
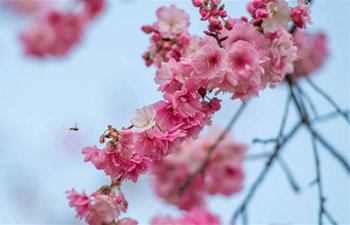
(171, 21)
(81, 202)
(244, 60)
(144, 119)
(283, 54)
(279, 16)
(301, 14)
(209, 62)
(95, 156)
(243, 31)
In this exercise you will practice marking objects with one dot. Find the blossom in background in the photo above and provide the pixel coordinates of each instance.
(56, 32)
(28, 7)
(172, 21)
(195, 217)
(312, 52)
(223, 173)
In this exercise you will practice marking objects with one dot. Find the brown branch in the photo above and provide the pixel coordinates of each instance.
(343, 113)
(202, 166)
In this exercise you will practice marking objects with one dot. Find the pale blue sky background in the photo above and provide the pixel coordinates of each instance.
(104, 80)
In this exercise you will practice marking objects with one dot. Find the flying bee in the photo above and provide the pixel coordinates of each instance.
(75, 128)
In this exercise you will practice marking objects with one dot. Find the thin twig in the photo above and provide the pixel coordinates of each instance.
(328, 116)
(318, 180)
(264, 172)
(202, 166)
(344, 114)
(289, 174)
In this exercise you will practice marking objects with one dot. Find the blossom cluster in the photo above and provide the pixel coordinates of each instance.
(223, 172)
(272, 15)
(240, 59)
(170, 37)
(103, 207)
(312, 52)
(195, 217)
(56, 32)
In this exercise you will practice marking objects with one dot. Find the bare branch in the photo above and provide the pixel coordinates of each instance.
(343, 113)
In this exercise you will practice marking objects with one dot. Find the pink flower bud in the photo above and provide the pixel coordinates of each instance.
(204, 13)
(223, 13)
(229, 25)
(213, 21)
(214, 12)
(243, 18)
(261, 13)
(147, 29)
(197, 3)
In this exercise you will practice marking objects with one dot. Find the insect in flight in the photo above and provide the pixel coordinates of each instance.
(75, 128)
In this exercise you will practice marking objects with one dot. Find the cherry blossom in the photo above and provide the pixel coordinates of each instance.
(144, 119)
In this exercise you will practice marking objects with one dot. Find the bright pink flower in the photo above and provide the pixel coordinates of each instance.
(115, 164)
(81, 202)
(171, 21)
(103, 210)
(209, 62)
(185, 101)
(301, 14)
(125, 143)
(156, 144)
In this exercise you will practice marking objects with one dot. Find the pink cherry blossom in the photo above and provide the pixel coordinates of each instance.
(209, 62)
(312, 52)
(301, 14)
(81, 202)
(171, 21)
(144, 119)
(282, 55)
(103, 210)
(223, 174)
